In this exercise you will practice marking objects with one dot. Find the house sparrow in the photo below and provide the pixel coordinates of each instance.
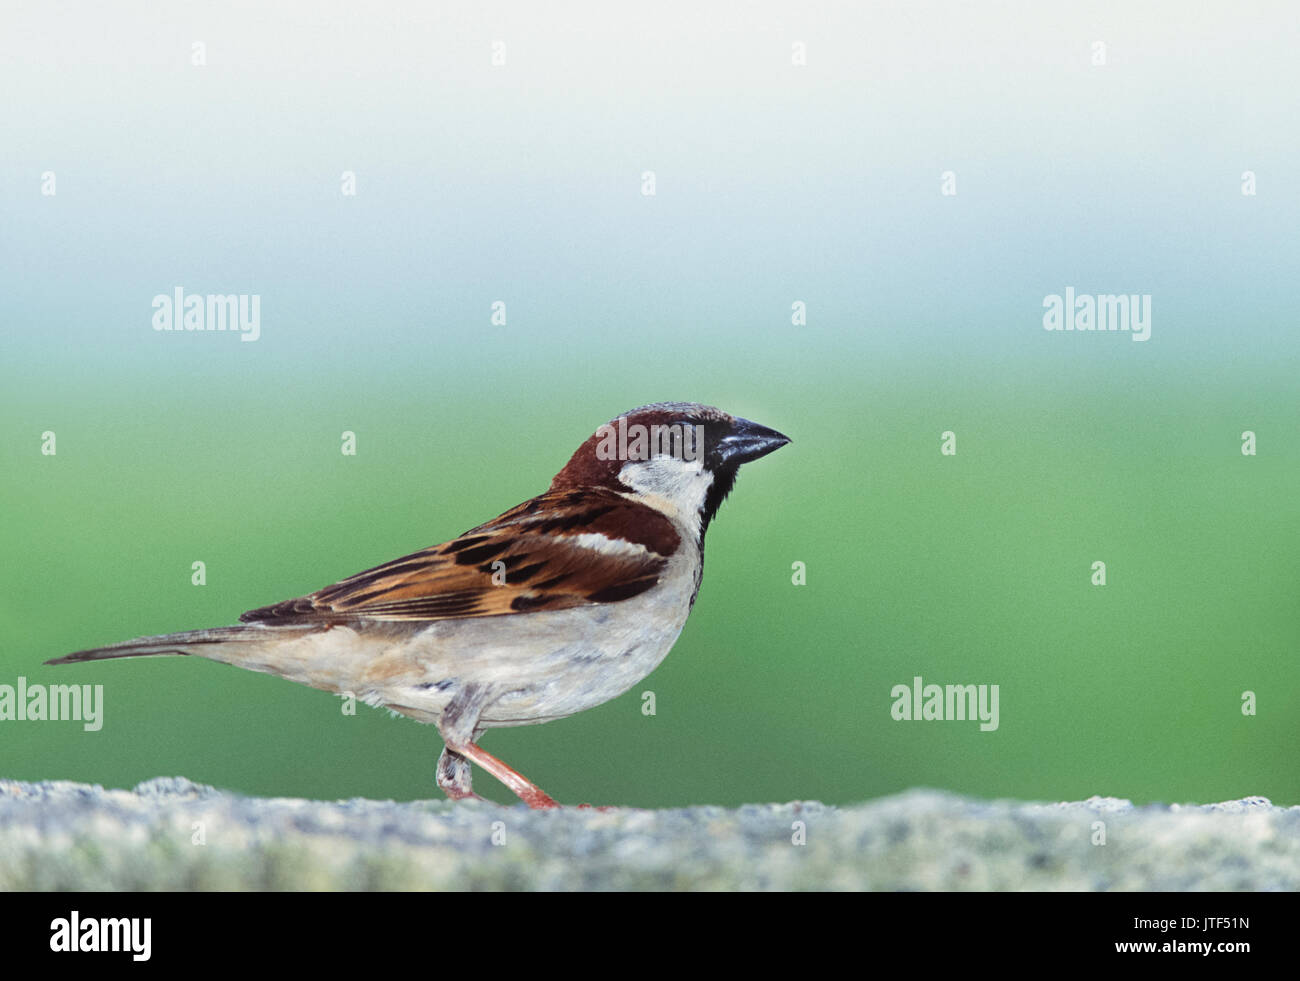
(558, 605)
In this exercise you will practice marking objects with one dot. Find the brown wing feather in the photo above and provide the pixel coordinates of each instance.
(544, 567)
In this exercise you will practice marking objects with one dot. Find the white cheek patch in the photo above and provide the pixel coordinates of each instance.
(680, 484)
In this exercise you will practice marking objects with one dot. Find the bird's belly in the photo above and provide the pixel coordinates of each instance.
(575, 682)
(566, 662)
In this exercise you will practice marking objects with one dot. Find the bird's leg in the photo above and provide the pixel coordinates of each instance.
(527, 791)
(455, 776)
(459, 728)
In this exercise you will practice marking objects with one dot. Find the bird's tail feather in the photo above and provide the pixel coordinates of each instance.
(162, 644)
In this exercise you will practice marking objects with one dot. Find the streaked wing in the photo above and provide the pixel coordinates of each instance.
(559, 550)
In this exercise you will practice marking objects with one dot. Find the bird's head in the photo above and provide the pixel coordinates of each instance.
(679, 457)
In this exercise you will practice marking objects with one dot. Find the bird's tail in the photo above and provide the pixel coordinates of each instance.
(325, 657)
(186, 642)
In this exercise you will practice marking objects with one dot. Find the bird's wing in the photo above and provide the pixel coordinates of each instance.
(558, 550)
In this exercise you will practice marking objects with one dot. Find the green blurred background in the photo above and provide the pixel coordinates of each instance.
(522, 183)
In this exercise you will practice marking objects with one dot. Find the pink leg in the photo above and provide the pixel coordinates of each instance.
(523, 788)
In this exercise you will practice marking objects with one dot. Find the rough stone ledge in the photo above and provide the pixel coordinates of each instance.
(63, 836)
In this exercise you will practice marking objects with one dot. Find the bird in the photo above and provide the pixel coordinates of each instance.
(558, 605)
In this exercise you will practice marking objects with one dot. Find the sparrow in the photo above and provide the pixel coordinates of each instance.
(558, 605)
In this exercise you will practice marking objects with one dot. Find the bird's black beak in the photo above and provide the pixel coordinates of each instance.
(749, 441)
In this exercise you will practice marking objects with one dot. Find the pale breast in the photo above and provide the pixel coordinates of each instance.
(546, 665)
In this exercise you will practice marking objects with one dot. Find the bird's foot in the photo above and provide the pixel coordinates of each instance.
(527, 791)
